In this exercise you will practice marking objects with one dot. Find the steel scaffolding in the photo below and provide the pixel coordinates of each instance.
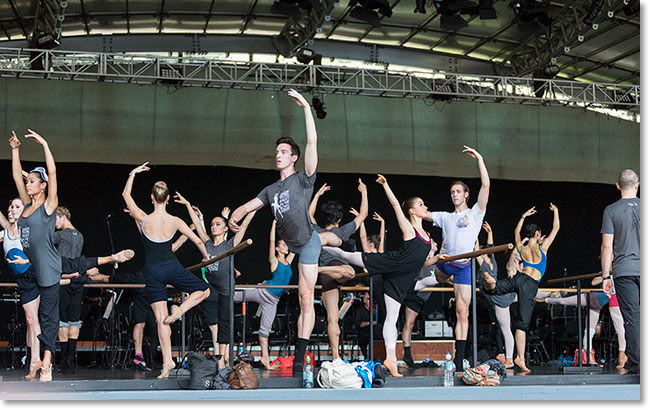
(201, 71)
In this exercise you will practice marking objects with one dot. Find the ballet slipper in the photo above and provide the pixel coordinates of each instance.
(501, 358)
(46, 374)
(167, 367)
(522, 365)
(122, 256)
(622, 359)
(34, 367)
(490, 282)
(509, 364)
(176, 314)
(392, 368)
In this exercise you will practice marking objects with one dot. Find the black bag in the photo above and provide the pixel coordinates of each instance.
(203, 370)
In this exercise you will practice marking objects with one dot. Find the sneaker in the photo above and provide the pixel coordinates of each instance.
(466, 364)
(141, 365)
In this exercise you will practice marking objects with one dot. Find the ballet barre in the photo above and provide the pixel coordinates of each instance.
(236, 249)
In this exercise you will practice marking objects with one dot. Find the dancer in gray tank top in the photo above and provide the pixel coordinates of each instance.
(36, 225)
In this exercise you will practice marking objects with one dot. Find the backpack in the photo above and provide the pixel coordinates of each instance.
(338, 374)
(243, 377)
(203, 369)
(488, 373)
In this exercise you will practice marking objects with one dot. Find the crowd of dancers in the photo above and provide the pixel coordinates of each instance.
(44, 252)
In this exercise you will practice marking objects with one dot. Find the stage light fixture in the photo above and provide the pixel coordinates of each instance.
(305, 55)
(286, 9)
(486, 10)
(365, 15)
(450, 20)
(364, 10)
(319, 108)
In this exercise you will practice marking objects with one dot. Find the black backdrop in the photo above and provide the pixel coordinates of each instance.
(92, 191)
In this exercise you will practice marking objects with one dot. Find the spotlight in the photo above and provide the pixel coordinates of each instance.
(365, 15)
(305, 55)
(286, 8)
(47, 41)
(364, 10)
(533, 16)
(319, 107)
(450, 21)
(486, 10)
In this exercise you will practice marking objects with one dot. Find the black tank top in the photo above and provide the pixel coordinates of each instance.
(157, 251)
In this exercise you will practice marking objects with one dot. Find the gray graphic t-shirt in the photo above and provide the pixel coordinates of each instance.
(289, 201)
(69, 242)
(220, 269)
(623, 220)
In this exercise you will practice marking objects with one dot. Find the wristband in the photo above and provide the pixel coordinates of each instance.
(131, 174)
(607, 277)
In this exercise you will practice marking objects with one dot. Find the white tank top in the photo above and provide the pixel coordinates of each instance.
(9, 243)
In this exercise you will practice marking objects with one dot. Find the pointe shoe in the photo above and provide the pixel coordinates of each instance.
(509, 364)
(392, 368)
(164, 374)
(34, 367)
(522, 365)
(46, 374)
(122, 256)
(176, 314)
(501, 358)
(622, 359)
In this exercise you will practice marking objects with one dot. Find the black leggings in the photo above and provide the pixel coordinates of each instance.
(80, 264)
(48, 315)
(526, 289)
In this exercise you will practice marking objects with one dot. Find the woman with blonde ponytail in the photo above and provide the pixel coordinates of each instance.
(161, 266)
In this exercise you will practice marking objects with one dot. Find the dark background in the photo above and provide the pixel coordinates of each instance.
(92, 191)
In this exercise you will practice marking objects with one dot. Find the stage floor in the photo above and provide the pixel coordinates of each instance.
(543, 383)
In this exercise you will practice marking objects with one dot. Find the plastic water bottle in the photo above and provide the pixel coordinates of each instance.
(308, 374)
(427, 360)
(450, 369)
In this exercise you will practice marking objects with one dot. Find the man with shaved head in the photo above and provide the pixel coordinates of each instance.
(621, 240)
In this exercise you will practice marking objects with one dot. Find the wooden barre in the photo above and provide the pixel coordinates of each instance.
(492, 249)
(570, 278)
(243, 245)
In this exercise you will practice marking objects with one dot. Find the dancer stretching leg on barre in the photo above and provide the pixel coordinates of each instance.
(161, 266)
(218, 274)
(525, 283)
(289, 200)
(399, 268)
(460, 230)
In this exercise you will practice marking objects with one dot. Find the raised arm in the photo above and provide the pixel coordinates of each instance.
(17, 169)
(404, 224)
(314, 202)
(4, 222)
(200, 229)
(520, 224)
(484, 192)
(363, 209)
(363, 234)
(382, 230)
(135, 212)
(181, 240)
(185, 230)
(556, 227)
(490, 237)
(240, 235)
(250, 206)
(311, 151)
(52, 200)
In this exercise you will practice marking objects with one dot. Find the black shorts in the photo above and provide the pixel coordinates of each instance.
(27, 286)
(326, 281)
(70, 297)
(210, 307)
(170, 272)
(414, 302)
(141, 307)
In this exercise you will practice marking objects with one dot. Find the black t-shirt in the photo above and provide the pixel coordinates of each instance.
(69, 242)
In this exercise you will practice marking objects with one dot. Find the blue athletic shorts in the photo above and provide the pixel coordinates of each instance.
(310, 251)
(462, 272)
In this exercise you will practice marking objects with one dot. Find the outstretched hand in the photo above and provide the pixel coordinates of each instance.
(14, 143)
(381, 180)
(529, 212)
(362, 187)
(471, 152)
(225, 212)
(140, 168)
(233, 226)
(18, 261)
(553, 207)
(197, 211)
(323, 189)
(487, 228)
(354, 212)
(377, 217)
(298, 98)
(35, 136)
(179, 199)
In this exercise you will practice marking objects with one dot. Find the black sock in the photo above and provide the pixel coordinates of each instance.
(408, 359)
(28, 358)
(460, 354)
(63, 359)
(72, 354)
(301, 348)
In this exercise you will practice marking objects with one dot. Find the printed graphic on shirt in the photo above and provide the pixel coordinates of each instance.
(462, 222)
(24, 237)
(280, 204)
(214, 267)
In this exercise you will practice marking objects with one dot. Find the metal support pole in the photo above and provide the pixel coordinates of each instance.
(579, 305)
(474, 329)
(372, 319)
(231, 284)
(182, 330)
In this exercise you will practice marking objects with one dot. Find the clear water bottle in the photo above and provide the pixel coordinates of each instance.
(427, 360)
(450, 370)
(308, 374)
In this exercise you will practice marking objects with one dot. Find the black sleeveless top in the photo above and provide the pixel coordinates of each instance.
(157, 251)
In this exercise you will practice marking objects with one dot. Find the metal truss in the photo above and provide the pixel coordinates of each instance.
(196, 71)
(47, 25)
(297, 33)
(566, 28)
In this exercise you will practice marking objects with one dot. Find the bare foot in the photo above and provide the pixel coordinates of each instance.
(267, 364)
(522, 365)
(392, 368)
(167, 367)
(501, 357)
(490, 282)
(509, 364)
(176, 314)
(622, 359)
(34, 367)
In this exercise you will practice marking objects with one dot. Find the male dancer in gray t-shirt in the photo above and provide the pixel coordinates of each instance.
(621, 238)
(289, 199)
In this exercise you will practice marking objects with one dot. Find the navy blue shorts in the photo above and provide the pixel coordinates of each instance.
(462, 272)
(170, 272)
(27, 286)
